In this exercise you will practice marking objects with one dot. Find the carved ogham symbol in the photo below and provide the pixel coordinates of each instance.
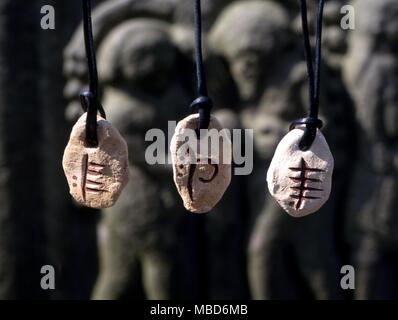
(304, 183)
(91, 177)
(301, 181)
(96, 176)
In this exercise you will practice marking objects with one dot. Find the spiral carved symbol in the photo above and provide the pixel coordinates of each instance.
(304, 183)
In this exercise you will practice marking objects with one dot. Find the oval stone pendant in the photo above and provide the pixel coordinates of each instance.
(201, 168)
(299, 180)
(96, 176)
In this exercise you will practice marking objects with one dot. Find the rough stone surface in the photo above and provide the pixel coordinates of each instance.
(200, 185)
(96, 176)
(301, 181)
(256, 35)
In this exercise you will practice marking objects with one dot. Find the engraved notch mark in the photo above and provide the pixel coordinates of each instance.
(304, 181)
(92, 172)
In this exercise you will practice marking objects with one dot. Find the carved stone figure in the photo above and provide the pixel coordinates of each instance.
(139, 88)
(247, 55)
(249, 50)
(334, 36)
(257, 79)
(265, 59)
(105, 16)
(371, 74)
(137, 64)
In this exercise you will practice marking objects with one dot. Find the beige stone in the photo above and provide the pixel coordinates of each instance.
(301, 181)
(202, 168)
(96, 176)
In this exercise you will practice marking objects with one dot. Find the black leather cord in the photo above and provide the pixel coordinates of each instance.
(89, 99)
(312, 122)
(203, 103)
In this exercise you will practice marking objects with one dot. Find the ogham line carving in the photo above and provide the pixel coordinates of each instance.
(303, 186)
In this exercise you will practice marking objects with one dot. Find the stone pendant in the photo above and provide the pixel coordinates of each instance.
(201, 168)
(301, 181)
(96, 176)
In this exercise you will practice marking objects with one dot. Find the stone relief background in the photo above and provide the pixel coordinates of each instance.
(147, 246)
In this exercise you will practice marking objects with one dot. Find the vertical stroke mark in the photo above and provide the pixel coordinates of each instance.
(84, 175)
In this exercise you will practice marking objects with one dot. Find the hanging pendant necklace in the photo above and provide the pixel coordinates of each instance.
(300, 174)
(95, 160)
(201, 166)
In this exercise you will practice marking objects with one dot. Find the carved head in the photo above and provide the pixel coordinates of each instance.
(139, 53)
(139, 70)
(250, 35)
(268, 130)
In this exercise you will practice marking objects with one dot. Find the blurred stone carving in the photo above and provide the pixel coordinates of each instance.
(251, 44)
(142, 90)
(257, 77)
(265, 59)
(105, 16)
(144, 86)
(334, 36)
(371, 74)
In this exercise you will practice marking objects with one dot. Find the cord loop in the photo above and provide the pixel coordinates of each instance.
(311, 126)
(202, 102)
